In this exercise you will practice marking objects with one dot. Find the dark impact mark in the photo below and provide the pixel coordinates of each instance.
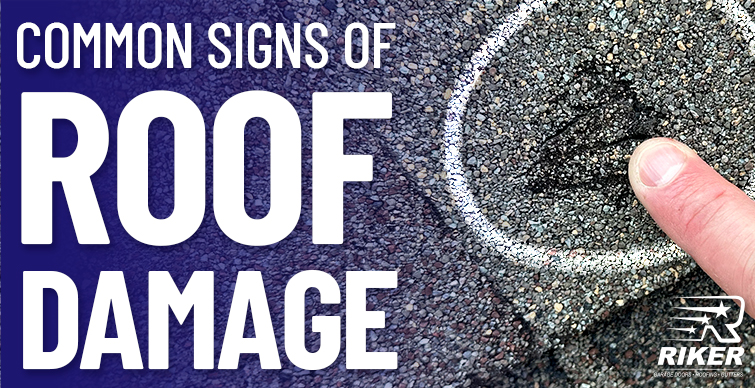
(606, 120)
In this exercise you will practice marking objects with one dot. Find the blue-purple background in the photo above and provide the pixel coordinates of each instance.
(208, 249)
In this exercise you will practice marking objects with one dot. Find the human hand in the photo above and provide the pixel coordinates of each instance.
(708, 217)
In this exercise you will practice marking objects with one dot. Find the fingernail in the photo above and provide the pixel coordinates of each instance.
(659, 165)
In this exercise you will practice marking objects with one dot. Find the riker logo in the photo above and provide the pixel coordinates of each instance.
(702, 319)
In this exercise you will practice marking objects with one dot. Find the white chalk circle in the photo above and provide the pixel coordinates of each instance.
(658, 254)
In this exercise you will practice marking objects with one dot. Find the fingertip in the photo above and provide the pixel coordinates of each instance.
(656, 163)
(707, 216)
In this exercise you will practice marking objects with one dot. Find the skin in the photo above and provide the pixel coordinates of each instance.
(708, 217)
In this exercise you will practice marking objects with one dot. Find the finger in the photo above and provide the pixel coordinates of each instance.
(708, 217)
